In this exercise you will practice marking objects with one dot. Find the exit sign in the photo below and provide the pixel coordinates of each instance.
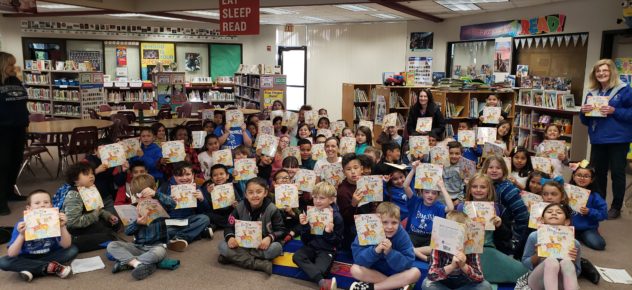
(239, 17)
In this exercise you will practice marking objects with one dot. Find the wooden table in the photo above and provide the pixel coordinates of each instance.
(66, 126)
(169, 123)
(245, 111)
(146, 113)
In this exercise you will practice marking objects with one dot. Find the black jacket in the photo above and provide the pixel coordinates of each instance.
(438, 122)
(13, 96)
(326, 241)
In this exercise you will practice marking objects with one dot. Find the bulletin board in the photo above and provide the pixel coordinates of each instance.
(154, 53)
(225, 59)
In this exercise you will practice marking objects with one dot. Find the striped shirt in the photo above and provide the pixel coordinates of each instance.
(441, 259)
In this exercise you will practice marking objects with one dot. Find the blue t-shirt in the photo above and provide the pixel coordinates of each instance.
(420, 216)
(235, 138)
(35, 247)
(397, 195)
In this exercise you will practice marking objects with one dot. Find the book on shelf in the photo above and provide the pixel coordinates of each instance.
(360, 95)
(449, 129)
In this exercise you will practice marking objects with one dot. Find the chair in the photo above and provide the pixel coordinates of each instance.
(142, 106)
(83, 140)
(105, 108)
(164, 114)
(120, 128)
(37, 117)
(93, 114)
(184, 111)
(194, 125)
(131, 117)
(166, 106)
(31, 152)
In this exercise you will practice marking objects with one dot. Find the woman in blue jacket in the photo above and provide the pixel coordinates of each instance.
(611, 135)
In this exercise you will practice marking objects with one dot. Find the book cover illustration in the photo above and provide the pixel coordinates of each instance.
(224, 156)
(245, 169)
(535, 214)
(265, 128)
(419, 145)
(333, 173)
(440, 155)
(325, 132)
(424, 124)
(234, 118)
(474, 237)
(152, 209)
(427, 176)
(467, 138)
(542, 164)
(597, 102)
(91, 198)
(390, 120)
(318, 151)
(131, 146)
(305, 180)
(555, 241)
(365, 123)
(311, 117)
(468, 168)
(41, 223)
(482, 211)
(553, 148)
(530, 198)
(183, 195)
(268, 144)
(277, 113)
(223, 195)
(292, 151)
(290, 119)
(372, 186)
(485, 134)
(248, 233)
(369, 228)
(174, 151)
(577, 196)
(491, 115)
(522, 71)
(197, 138)
(286, 196)
(208, 114)
(113, 154)
(318, 219)
(447, 236)
(127, 213)
(491, 149)
(347, 145)
(337, 127)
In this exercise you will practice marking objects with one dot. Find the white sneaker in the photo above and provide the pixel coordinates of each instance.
(26, 276)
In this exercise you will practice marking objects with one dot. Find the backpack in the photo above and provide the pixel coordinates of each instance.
(60, 196)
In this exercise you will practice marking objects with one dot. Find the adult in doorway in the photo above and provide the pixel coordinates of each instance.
(610, 134)
(14, 120)
(425, 106)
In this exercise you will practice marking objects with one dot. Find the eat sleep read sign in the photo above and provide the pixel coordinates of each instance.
(239, 17)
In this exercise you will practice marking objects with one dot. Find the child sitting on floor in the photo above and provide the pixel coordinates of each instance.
(151, 154)
(124, 194)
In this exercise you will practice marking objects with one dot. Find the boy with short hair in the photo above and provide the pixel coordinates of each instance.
(218, 217)
(318, 251)
(388, 265)
(349, 197)
(124, 195)
(320, 139)
(41, 257)
(392, 153)
(306, 154)
(469, 153)
(151, 154)
(373, 153)
(241, 152)
(230, 138)
(452, 174)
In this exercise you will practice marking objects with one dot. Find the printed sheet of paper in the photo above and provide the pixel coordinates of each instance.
(87, 265)
(535, 214)
(41, 223)
(305, 180)
(174, 151)
(224, 156)
(482, 211)
(318, 219)
(131, 146)
(467, 138)
(183, 195)
(248, 233)
(447, 236)
(372, 186)
(369, 228)
(245, 169)
(223, 195)
(113, 154)
(91, 198)
(577, 196)
(619, 276)
(555, 241)
(427, 176)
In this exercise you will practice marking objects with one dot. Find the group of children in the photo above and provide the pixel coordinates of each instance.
(406, 213)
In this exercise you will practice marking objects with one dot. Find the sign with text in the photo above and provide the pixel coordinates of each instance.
(239, 17)
(511, 28)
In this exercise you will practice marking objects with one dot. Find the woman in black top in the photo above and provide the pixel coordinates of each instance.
(14, 120)
(425, 107)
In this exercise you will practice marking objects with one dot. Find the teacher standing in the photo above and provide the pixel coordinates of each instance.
(610, 136)
(14, 121)
(426, 107)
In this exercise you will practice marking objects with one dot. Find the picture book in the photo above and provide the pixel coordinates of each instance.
(555, 241)
(318, 151)
(530, 198)
(290, 119)
(234, 118)
(174, 151)
(276, 113)
(535, 214)
(131, 146)
(553, 148)
(224, 156)
(373, 188)
(424, 124)
(427, 176)
(522, 71)
(467, 138)
(311, 117)
(197, 138)
(183, 195)
(577, 196)
(318, 219)
(542, 164)
(152, 209)
(369, 228)
(483, 211)
(248, 234)
(265, 128)
(113, 154)
(474, 237)
(597, 102)
(208, 114)
(305, 180)
(447, 236)
(293, 151)
(268, 144)
(286, 196)
(390, 120)
(325, 132)
(223, 195)
(491, 115)
(440, 155)
(468, 168)
(347, 145)
(365, 123)
(245, 169)
(91, 198)
(41, 223)
(485, 134)
(332, 173)
(337, 127)
(127, 213)
(491, 149)
(419, 145)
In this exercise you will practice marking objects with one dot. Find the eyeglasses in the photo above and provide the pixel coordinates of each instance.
(283, 178)
(583, 176)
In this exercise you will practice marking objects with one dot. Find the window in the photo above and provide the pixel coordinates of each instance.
(293, 61)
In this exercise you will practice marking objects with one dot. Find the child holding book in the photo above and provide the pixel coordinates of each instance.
(364, 138)
(152, 153)
(218, 217)
(347, 132)
(256, 207)
(322, 112)
(182, 133)
(147, 250)
(159, 131)
(394, 192)
(389, 264)
(211, 144)
(458, 271)
(471, 153)
(208, 126)
(230, 138)
(452, 174)
(391, 153)
(503, 136)
(284, 142)
(318, 251)
(533, 183)
(551, 273)
(290, 215)
(303, 132)
(491, 101)
(323, 122)
(520, 167)
(390, 134)
(305, 147)
(586, 221)
(320, 139)
(39, 257)
(421, 210)
(373, 153)
(552, 132)
(125, 195)
(331, 150)
(104, 175)
(91, 228)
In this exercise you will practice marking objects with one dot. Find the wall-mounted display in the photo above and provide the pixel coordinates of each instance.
(421, 41)
(154, 54)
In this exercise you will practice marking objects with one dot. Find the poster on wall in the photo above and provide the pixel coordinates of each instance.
(510, 28)
(269, 96)
(502, 58)
(193, 61)
(421, 41)
(380, 110)
(153, 54)
(121, 56)
(93, 57)
(22, 6)
(421, 68)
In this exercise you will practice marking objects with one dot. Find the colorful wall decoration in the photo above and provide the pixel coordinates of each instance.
(524, 27)
(153, 54)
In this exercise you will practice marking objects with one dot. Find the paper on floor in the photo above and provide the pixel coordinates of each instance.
(87, 265)
(177, 222)
(620, 276)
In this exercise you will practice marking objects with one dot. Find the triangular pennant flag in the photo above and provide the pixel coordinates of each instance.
(559, 40)
(484, 44)
(575, 39)
(544, 40)
(522, 41)
(567, 38)
(551, 40)
(516, 42)
(537, 41)
(584, 38)
(529, 42)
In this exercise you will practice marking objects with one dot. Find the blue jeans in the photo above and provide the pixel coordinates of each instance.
(37, 264)
(197, 224)
(272, 252)
(429, 285)
(592, 239)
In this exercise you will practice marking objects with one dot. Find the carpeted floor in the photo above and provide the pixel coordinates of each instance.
(200, 270)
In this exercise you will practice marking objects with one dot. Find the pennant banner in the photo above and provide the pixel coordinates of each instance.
(584, 38)
(575, 39)
(529, 41)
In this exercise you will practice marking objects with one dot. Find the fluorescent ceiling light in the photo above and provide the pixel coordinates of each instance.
(355, 8)
(315, 19)
(276, 11)
(386, 16)
(59, 6)
(451, 2)
(205, 13)
(143, 15)
(458, 6)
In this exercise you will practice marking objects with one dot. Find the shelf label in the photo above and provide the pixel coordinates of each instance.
(280, 81)
(63, 86)
(120, 84)
(137, 84)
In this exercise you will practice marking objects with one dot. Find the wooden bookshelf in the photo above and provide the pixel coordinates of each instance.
(260, 90)
(355, 98)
